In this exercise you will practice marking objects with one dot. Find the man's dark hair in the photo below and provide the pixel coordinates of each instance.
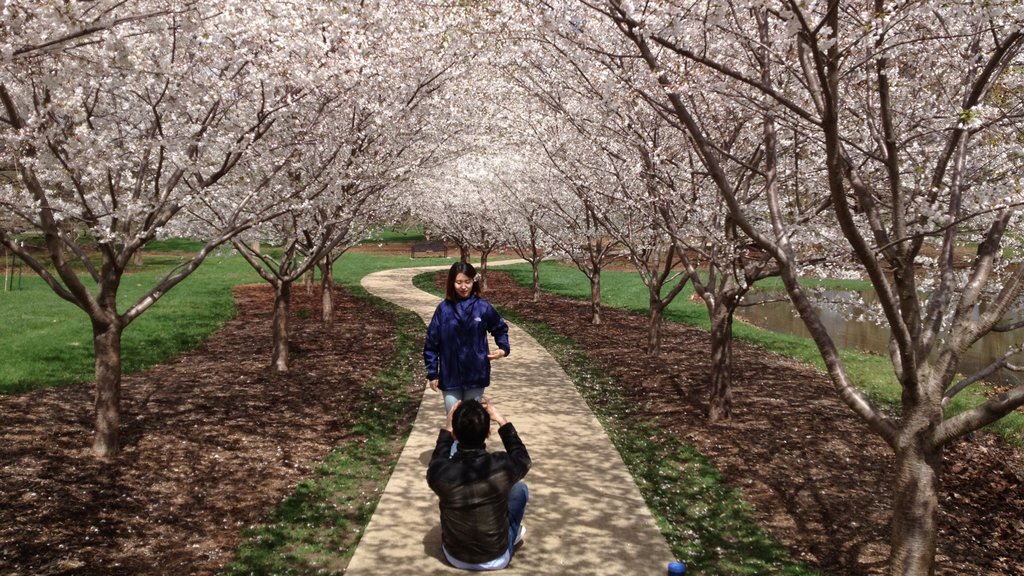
(463, 268)
(471, 422)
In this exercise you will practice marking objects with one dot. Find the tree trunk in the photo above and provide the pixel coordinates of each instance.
(106, 337)
(282, 304)
(8, 271)
(656, 309)
(464, 253)
(309, 279)
(720, 402)
(595, 298)
(536, 280)
(327, 294)
(916, 501)
(483, 270)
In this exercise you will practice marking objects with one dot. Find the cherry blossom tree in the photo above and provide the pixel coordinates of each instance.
(573, 225)
(464, 209)
(575, 234)
(458, 191)
(120, 128)
(525, 218)
(633, 220)
(723, 265)
(622, 156)
(306, 239)
(908, 117)
(373, 127)
(679, 231)
(563, 149)
(721, 262)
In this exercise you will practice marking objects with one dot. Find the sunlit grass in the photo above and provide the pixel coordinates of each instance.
(47, 341)
(411, 234)
(173, 245)
(707, 523)
(774, 284)
(871, 373)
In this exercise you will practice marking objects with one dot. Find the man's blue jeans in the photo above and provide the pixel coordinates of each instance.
(517, 499)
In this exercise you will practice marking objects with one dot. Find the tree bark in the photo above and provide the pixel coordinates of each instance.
(916, 500)
(720, 403)
(309, 279)
(595, 298)
(535, 264)
(483, 269)
(656, 310)
(8, 271)
(107, 343)
(327, 293)
(282, 304)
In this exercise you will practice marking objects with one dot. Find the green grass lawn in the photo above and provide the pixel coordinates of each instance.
(871, 373)
(411, 234)
(47, 342)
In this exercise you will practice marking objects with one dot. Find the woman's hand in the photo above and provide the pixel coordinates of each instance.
(499, 353)
(432, 384)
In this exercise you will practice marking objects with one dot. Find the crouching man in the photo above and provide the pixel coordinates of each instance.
(482, 497)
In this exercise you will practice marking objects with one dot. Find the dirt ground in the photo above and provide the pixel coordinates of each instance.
(818, 478)
(214, 441)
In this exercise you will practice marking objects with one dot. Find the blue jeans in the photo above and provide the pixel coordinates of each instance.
(517, 499)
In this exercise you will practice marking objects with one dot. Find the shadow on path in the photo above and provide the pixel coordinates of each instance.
(586, 515)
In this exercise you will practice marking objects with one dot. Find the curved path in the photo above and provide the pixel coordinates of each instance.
(585, 515)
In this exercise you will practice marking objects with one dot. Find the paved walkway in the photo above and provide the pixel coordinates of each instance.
(585, 515)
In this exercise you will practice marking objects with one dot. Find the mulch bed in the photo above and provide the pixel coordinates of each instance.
(214, 441)
(818, 478)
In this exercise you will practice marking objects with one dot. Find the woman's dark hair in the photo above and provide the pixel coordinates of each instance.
(456, 269)
(471, 423)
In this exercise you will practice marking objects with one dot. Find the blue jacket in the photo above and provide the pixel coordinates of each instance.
(455, 350)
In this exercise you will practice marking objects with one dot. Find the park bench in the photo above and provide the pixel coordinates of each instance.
(429, 247)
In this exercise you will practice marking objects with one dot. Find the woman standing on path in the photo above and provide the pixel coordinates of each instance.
(456, 352)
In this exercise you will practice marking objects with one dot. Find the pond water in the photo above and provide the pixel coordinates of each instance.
(843, 318)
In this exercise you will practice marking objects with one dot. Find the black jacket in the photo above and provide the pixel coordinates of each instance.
(473, 488)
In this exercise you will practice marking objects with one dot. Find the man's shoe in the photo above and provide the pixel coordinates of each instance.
(519, 537)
